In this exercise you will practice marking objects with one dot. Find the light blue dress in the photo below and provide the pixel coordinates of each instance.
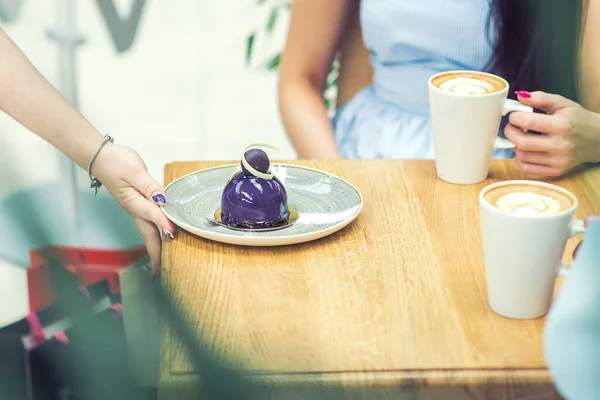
(409, 40)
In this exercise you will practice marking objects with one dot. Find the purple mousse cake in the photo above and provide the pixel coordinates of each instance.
(254, 198)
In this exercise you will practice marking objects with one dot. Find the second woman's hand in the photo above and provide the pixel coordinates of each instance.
(124, 174)
(570, 135)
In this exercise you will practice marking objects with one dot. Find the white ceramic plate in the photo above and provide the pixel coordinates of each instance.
(325, 204)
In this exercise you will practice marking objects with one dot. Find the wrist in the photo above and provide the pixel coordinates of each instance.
(88, 145)
(79, 145)
(100, 160)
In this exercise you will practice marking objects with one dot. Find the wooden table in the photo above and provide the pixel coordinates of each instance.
(393, 306)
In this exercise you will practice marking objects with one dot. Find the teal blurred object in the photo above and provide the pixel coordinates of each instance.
(35, 218)
(122, 30)
(10, 10)
(572, 331)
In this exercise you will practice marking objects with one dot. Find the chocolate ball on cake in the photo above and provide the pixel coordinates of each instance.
(258, 159)
(254, 198)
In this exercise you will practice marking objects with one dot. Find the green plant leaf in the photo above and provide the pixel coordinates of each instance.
(272, 19)
(273, 63)
(330, 104)
(249, 47)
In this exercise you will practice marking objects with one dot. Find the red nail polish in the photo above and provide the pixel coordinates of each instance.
(523, 93)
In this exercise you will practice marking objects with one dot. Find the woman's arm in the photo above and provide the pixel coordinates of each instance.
(29, 98)
(590, 58)
(316, 28)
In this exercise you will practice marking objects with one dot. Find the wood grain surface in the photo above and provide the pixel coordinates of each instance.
(393, 304)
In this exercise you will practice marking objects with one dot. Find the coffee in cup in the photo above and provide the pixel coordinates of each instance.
(525, 226)
(528, 200)
(468, 82)
(466, 108)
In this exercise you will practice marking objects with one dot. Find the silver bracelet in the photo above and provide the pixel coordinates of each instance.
(95, 183)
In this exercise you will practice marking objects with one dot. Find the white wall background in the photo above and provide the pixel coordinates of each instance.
(181, 92)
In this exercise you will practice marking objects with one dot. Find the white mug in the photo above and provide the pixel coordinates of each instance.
(523, 254)
(465, 129)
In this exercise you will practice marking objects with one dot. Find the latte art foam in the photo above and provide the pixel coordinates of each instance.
(528, 200)
(528, 204)
(467, 86)
(468, 82)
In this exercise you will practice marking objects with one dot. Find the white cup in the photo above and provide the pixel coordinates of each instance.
(465, 129)
(523, 254)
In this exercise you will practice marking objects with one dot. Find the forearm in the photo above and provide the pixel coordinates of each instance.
(305, 119)
(29, 98)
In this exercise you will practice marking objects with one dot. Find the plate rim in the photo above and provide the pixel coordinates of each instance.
(255, 240)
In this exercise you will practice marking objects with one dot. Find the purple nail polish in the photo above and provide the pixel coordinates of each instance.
(159, 198)
(169, 234)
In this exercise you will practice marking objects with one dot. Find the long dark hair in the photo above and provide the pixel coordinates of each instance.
(537, 43)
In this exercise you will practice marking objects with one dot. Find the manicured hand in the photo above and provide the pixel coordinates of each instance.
(124, 174)
(570, 135)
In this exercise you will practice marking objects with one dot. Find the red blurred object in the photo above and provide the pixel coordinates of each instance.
(91, 266)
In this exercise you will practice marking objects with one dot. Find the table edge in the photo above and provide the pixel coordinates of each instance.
(441, 376)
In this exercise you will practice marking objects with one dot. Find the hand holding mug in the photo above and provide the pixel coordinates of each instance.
(570, 135)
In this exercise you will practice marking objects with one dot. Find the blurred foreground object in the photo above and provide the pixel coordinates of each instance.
(572, 331)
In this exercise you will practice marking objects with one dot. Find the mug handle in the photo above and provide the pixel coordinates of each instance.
(577, 226)
(510, 106)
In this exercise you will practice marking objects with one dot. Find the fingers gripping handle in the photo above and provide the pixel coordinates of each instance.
(510, 106)
(513, 105)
